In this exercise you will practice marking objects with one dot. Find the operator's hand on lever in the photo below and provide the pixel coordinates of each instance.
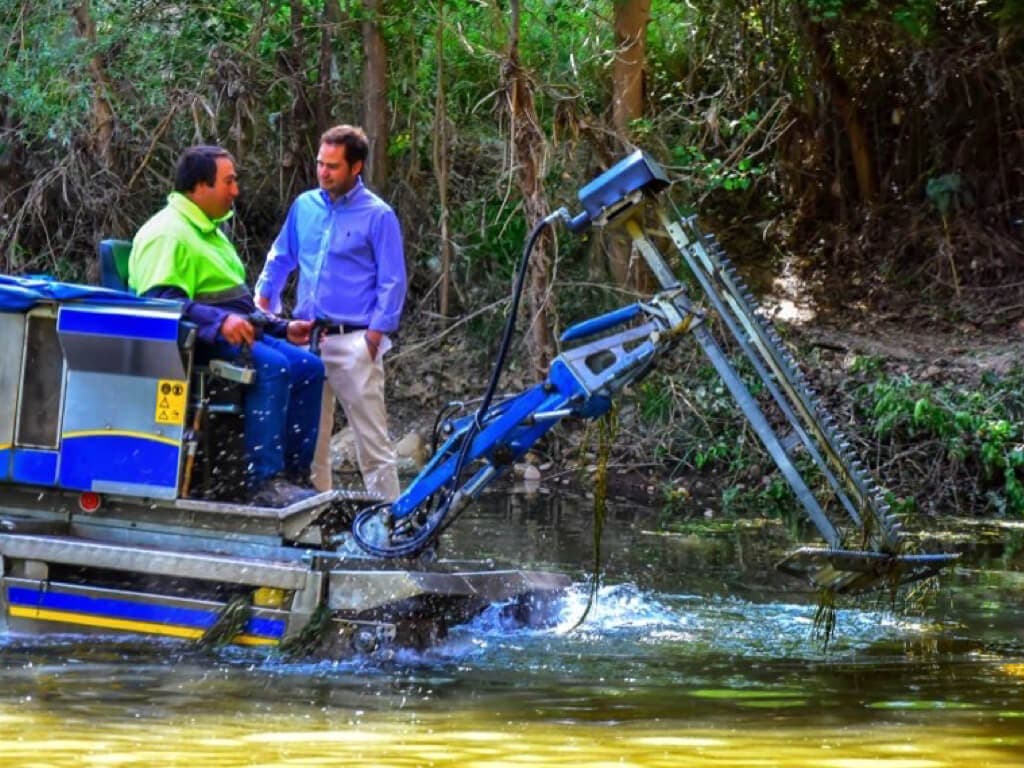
(237, 330)
(300, 331)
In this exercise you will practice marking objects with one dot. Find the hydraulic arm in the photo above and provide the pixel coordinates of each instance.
(611, 351)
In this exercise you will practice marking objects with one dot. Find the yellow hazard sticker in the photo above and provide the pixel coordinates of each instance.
(170, 401)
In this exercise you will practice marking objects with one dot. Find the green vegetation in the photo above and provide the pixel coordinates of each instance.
(749, 106)
(938, 448)
(972, 434)
(874, 143)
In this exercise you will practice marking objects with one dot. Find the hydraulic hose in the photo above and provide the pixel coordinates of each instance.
(503, 348)
(433, 527)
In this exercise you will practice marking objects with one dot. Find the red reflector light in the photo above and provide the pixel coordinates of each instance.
(88, 501)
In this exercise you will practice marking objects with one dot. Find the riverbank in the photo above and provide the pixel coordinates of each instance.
(933, 406)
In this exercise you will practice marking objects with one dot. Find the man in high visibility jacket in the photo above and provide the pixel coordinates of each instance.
(182, 253)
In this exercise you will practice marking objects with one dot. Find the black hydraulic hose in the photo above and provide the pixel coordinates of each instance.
(433, 528)
(510, 323)
(506, 340)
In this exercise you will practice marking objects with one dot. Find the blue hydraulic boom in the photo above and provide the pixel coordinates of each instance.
(609, 352)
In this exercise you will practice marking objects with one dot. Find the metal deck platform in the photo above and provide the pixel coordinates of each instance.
(178, 568)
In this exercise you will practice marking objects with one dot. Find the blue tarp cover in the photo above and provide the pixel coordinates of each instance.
(18, 294)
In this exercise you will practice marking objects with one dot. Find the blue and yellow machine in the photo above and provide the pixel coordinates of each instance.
(106, 527)
(99, 381)
(104, 530)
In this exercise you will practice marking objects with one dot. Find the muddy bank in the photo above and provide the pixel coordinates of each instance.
(431, 368)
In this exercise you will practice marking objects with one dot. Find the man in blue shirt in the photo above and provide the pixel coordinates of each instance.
(347, 245)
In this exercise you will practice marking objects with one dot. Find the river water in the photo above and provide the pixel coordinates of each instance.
(694, 653)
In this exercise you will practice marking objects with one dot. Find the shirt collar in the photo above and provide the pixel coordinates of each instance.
(195, 214)
(346, 198)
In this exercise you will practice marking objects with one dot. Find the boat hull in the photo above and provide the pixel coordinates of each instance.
(208, 573)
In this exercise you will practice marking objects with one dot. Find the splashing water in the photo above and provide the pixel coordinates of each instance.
(690, 625)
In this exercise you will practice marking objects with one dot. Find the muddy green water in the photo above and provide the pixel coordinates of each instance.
(696, 653)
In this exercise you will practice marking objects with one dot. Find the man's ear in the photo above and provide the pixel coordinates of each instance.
(357, 167)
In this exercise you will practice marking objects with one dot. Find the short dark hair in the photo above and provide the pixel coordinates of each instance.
(353, 139)
(198, 164)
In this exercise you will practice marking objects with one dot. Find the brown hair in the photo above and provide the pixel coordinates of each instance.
(353, 139)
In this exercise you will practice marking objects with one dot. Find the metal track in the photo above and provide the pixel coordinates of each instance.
(812, 426)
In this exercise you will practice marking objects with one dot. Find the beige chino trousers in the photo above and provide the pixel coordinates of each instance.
(357, 382)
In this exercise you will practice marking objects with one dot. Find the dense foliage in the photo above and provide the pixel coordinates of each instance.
(755, 108)
(877, 137)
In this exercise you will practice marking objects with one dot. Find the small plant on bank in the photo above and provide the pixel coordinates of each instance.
(688, 415)
(971, 437)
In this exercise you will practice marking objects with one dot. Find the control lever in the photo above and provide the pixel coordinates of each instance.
(314, 334)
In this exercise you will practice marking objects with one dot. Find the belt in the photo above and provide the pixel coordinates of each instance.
(341, 328)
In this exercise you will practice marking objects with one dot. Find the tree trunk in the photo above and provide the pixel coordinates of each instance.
(442, 163)
(328, 68)
(103, 121)
(839, 92)
(296, 149)
(631, 20)
(375, 93)
(527, 148)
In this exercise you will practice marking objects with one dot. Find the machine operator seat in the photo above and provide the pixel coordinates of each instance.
(114, 264)
(215, 395)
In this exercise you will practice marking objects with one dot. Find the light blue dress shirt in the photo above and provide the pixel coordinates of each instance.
(350, 259)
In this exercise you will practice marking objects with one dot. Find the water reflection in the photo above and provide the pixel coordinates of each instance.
(695, 653)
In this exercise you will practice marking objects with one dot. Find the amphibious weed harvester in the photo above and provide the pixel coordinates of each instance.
(107, 525)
